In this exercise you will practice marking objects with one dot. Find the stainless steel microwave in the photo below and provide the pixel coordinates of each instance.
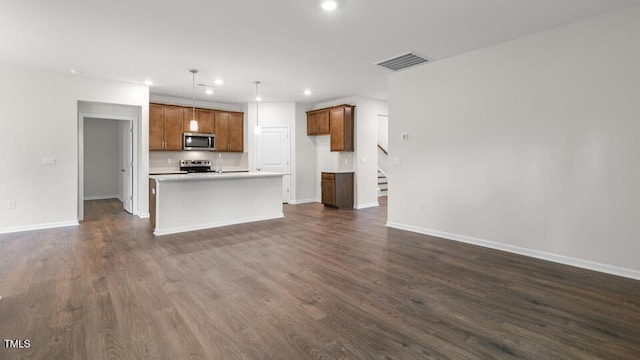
(198, 142)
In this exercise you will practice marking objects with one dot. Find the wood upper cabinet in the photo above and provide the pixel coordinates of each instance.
(173, 119)
(236, 132)
(229, 130)
(156, 127)
(338, 121)
(168, 122)
(318, 122)
(165, 127)
(205, 120)
(341, 121)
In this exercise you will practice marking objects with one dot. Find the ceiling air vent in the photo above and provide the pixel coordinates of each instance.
(403, 61)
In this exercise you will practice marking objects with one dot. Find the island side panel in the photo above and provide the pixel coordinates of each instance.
(201, 204)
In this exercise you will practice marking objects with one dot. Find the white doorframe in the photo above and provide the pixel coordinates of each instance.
(288, 175)
(136, 128)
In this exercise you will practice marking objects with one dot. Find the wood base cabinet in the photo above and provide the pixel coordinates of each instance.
(152, 203)
(337, 189)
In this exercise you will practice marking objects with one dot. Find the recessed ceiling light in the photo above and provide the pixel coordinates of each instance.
(307, 92)
(148, 82)
(219, 82)
(258, 98)
(209, 91)
(74, 71)
(329, 5)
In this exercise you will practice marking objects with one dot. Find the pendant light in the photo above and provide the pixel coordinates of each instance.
(257, 129)
(193, 124)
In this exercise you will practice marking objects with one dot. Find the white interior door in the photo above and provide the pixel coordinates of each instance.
(273, 153)
(126, 166)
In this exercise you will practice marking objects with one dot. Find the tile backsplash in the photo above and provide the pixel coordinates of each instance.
(170, 160)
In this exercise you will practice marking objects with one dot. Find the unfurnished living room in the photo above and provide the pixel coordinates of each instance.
(320, 179)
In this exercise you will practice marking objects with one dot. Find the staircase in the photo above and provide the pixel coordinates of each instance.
(383, 184)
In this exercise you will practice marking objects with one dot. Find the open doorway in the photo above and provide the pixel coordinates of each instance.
(106, 166)
(383, 155)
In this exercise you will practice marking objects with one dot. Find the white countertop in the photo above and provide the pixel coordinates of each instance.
(214, 176)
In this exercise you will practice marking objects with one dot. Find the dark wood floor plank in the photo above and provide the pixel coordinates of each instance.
(319, 284)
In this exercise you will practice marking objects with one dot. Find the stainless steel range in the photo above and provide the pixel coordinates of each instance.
(193, 166)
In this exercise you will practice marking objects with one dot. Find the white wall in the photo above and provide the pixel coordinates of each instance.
(384, 162)
(383, 131)
(272, 114)
(304, 159)
(101, 159)
(42, 106)
(367, 150)
(529, 146)
(206, 104)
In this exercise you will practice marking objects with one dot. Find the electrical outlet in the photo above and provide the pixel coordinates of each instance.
(11, 204)
(169, 161)
(404, 136)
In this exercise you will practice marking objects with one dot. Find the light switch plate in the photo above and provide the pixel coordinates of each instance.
(48, 161)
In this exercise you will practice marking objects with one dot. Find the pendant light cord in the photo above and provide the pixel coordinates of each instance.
(194, 94)
(257, 103)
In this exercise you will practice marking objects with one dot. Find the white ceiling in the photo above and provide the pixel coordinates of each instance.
(288, 45)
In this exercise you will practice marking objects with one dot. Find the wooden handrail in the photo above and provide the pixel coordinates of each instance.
(383, 150)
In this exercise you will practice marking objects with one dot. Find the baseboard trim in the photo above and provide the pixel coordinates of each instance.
(584, 264)
(302, 201)
(102, 197)
(365, 206)
(144, 215)
(39, 227)
(180, 229)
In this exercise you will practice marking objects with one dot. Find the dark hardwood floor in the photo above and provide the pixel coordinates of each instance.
(318, 284)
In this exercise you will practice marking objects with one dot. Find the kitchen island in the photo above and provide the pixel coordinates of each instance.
(187, 202)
